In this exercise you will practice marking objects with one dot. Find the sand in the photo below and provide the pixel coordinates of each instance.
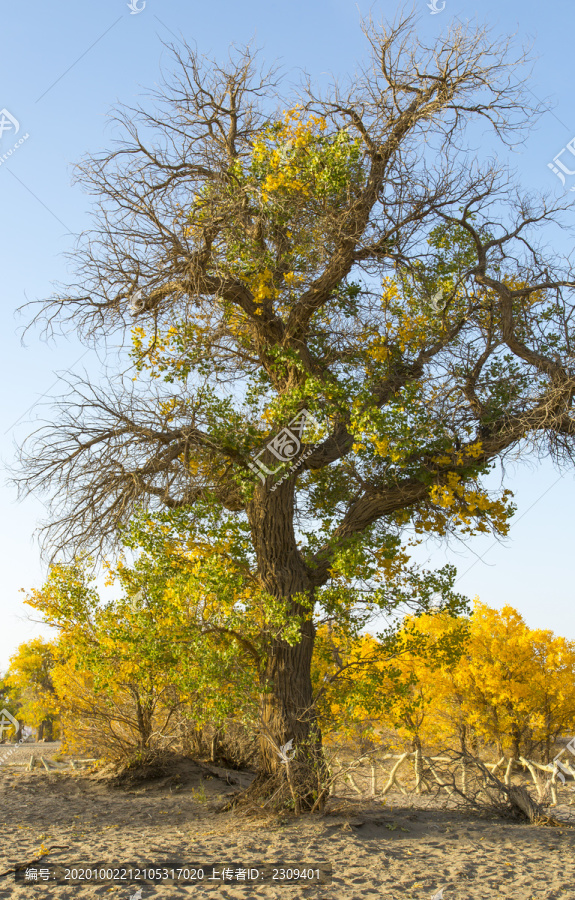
(391, 850)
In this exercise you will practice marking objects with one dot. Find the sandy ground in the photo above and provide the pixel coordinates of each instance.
(392, 850)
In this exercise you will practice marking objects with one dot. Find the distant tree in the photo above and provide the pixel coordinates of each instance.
(484, 680)
(516, 685)
(29, 678)
(341, 289)
(395, 684)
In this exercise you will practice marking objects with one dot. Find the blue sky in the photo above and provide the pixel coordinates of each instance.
(64, 66)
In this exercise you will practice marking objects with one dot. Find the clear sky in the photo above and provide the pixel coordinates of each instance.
(64, 65)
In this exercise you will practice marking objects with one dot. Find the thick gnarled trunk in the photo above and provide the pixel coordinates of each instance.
(287, 704)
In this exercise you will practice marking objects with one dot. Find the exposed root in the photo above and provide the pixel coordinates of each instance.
(294, 790)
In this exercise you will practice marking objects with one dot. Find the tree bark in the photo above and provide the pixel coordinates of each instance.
(197, 741)
(520, 798)
(287, 706)
(214, 745)
(516, 741)
(144, 720)
(287, 703)
(417, 764)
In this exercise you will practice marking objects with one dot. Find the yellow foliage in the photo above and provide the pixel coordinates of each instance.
(512, 688)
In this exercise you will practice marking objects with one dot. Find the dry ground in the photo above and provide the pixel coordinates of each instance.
(392, 850)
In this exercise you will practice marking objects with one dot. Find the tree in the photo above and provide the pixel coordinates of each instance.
(29, 678)
(398, 683)
(515, 685)
(284, 270)
(130, 672)
(457, 680)
(432, 646)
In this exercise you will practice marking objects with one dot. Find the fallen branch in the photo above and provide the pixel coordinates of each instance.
(392, 779)
(436, 776)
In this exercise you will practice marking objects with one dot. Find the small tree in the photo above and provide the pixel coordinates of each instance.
(340, 286)
(130, 672)
(29, 678)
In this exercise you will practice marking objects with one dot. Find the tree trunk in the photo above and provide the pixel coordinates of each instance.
(47, 727)
(516, 741)
(197, 741)
(214, 745)
(287, 705)
(288, 712)
(417, 764)
(144, 720)
(521, 798)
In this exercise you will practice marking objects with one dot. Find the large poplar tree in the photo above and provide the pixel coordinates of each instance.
(339, 317)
